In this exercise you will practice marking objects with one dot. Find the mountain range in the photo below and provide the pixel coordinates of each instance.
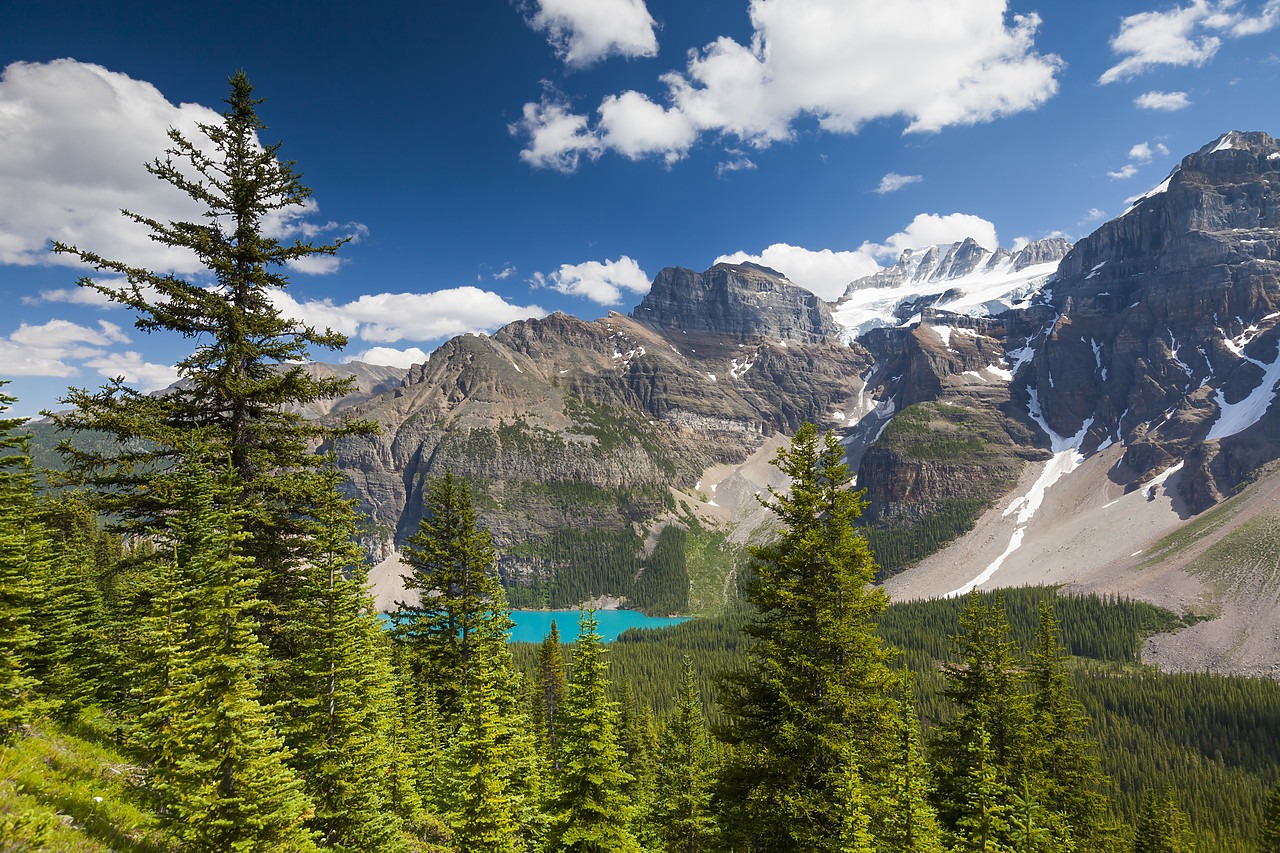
(1096, 415)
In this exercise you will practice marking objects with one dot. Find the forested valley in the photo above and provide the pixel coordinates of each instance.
(191, 661)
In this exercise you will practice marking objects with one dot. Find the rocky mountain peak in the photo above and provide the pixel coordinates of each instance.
(736, 300)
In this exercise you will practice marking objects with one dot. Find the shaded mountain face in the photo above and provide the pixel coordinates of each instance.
(944, 375)
(1165, 334)
(735, 301)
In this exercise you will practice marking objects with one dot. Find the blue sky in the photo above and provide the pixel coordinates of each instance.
(497, 160)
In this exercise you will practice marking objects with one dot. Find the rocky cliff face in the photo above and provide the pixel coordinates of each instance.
(736, 301)
(1167, 323)
(560, 424)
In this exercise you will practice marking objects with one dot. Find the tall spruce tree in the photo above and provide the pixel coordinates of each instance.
(910, 824)
(452, 563)
(984, 747)
(1063, 765)
(338, 732)
(1269, 836)
(814, 703)
(681, 802)
(242, 386)
(1162, 826)
(588, 813)
(550, 690)
(20, 560)
(220, 774)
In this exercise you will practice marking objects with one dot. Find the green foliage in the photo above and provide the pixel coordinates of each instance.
(588, 812)
(459, 598)
(897, 546)
(234, 391)
(339, 725)
(812, 706)
(218, 765)
(985, 747)
(21, 558)
(1162, 827)
(681, 810)
(663, 585)
(1269, 837)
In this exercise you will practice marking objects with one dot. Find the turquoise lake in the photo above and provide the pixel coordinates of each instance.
(533, 625)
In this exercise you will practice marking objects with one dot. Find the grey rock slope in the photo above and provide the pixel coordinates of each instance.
(736, 301)
(1166, 318)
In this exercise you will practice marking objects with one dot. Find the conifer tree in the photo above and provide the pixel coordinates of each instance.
(339, 731)
(483, 813)
(222, 779)
(991, 725)
(241, 383)
(1269, 837)
(78, 658)
(73, 655)
(681, 810)
(814, 702)
(242, 386)
(410, 749)
(985, 822)
(588, 812)
(453, 569)
(1063, 764)
(1162, 826)
(910, 825)
(19, 559)
(551, 688)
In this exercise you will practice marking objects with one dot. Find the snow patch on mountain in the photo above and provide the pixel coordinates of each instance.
(1237, 417)
(1066, 458)
(963, 278)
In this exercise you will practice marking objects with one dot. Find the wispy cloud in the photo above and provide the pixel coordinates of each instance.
(586, 31)
(1183, 35)
(599, 282)
(1126, 171)
(935, 63)
(1162, 101)
(893, 182)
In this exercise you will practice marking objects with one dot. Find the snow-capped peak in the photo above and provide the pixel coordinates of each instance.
(963, 277)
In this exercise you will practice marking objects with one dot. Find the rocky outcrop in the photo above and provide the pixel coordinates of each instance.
(1169, 311)
(736, 301)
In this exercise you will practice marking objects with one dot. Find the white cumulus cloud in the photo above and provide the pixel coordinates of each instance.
(893, 182)
(585, 31)
(53, 348)
(1167, 102)
(823, 272)
(74, 139)
(391, 317)
(1128, 170)
(934, 63)
(599, 282)
(390, 356)
(136, 370)
(826, 272)
(932, 229)
(1183, 35)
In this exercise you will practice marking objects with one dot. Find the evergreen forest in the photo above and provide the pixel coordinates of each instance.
(192, 662)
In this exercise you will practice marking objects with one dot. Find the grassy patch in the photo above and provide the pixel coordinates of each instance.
(72, 792)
